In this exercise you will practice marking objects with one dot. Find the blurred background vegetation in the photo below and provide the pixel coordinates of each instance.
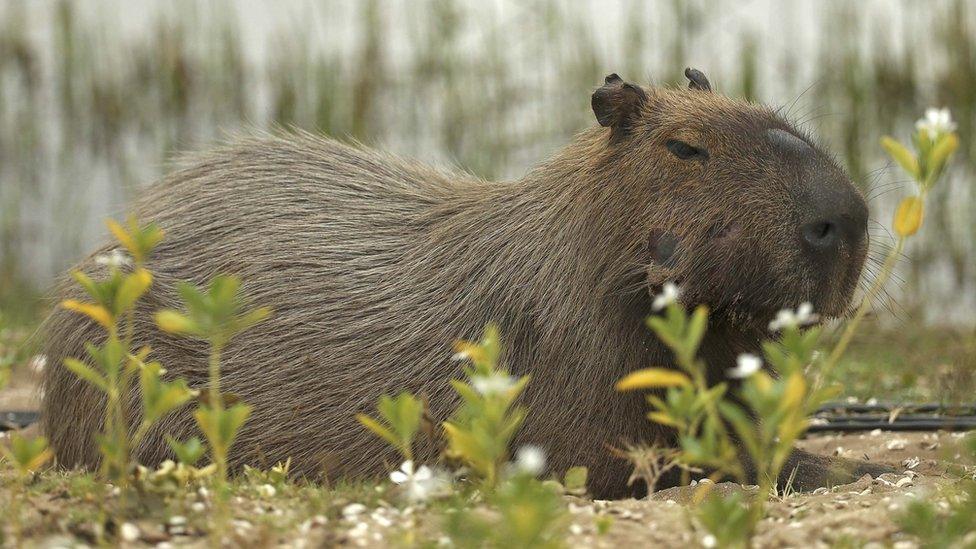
(97, 96)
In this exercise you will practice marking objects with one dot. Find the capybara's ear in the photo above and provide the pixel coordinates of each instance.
(617, 104)
(697, 80)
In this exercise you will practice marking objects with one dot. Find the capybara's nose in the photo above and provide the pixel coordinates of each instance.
(839, 218)
(822, 235)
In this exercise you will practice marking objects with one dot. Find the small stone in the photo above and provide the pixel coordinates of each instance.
(352, 510)
(875, 432)
(129, 531)
(896, 444)
(381, 519)
(575, 529)
(359, 530)
(177, 520)
(267, 490)
(903, 482)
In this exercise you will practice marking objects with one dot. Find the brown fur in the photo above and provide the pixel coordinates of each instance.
(374, 265)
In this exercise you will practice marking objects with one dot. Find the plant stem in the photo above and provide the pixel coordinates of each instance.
(217, 409)
(862, 310)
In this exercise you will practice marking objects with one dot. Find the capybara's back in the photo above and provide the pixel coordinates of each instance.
(373, 266)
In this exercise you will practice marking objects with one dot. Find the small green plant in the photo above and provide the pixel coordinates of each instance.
(728, 520)
(690, 406)
(935, 142)
(770, 412)
(480, 431)
(188, 452)
(529, 514)
(400, 419)
(952, 525)
(112, 366)
(768, 417)
(524, 511)
(215, 315)
(27, 455)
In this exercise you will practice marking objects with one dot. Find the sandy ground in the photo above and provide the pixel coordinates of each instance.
(861, 513)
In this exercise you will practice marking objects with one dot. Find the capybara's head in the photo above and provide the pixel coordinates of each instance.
(746, 212)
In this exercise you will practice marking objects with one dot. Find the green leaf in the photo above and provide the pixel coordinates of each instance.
(939, 154)
(696, 329)
(467, 392)
(221, 427)
(175, 323)
(664, 333)
(901, 155)
(193, 298)
(28, 454)
(189, 452)
(575, 478)
(744, 427)
(254, 317)
(517, 389)
(159, 397)
(86, 373)
(464, 446)
(89, 285)
(378, 429)
(233, 418)
(652, 378)
(402, 413)
(133, 286)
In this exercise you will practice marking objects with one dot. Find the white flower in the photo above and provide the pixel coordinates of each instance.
(669, 294)
(709, 541)
(746, 365)
(935, 123)
(530, 459)
(115, 259)
(787, 318)
(495, 383)
(420, 484)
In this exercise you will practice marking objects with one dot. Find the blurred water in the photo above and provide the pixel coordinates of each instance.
(95, 96)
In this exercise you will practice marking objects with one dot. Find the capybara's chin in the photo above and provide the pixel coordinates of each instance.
(374, 265)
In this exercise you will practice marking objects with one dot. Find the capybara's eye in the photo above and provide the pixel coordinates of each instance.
(685, 151)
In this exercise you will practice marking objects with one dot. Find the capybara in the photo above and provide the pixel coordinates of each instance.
(374, 265)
